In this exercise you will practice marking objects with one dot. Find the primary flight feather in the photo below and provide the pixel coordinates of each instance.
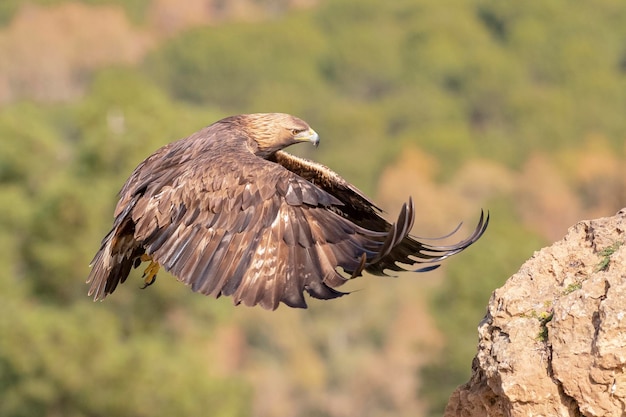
(228, 212)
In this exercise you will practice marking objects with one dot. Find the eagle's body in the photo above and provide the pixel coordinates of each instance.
(229, 213)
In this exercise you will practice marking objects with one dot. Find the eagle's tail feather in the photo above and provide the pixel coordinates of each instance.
(118, 254)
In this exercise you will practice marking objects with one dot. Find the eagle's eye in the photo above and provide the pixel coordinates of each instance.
(296, 131)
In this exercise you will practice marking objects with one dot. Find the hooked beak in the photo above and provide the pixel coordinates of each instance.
(308, 136)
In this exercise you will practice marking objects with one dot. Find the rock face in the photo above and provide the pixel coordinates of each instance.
(553, 342)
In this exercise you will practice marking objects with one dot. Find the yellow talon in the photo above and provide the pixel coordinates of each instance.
(150, 274)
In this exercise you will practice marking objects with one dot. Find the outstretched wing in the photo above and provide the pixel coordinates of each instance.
(360, 210)
(226, 222)
(245, 227)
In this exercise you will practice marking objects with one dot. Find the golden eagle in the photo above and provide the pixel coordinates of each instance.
(229, 213)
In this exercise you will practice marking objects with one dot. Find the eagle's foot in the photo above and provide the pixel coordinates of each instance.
(150, 274)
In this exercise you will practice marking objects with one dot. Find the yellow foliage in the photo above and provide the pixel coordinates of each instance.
(480, 180)
(550, 193)
(413, 174)
(439, 206)
(544, 200)
(598, 173)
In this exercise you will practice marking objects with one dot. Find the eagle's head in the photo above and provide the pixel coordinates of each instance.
(271, 132)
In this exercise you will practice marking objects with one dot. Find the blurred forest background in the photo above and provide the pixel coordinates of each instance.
(515, 107)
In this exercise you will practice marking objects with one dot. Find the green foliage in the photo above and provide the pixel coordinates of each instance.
(79, 361)
(544, 318)
(575, 286)
(133, 117)
(136, 9)
(359, 62)
(606, 256)
(200, 66)
(7, 10)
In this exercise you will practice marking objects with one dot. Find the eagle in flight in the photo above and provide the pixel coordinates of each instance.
(228, 212)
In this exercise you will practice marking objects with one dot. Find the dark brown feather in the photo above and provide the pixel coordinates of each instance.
(228, 213)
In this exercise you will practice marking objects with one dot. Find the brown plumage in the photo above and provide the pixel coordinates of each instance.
(229, 213)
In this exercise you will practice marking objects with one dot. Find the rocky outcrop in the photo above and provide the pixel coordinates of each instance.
(553, 342)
